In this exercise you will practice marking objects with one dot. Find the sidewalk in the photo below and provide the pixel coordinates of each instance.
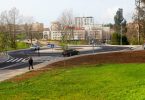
(138, 47)
(7, 74)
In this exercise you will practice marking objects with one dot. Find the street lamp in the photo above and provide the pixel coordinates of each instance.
(121, 35)
(93, 44)
(122, 22)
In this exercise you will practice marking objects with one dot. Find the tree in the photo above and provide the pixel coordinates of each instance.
(11, 21)
(67, 26)
(119, 26)
(132, 33)
(119, 19)
(4, 34)
(125, 40)
(139, 17)
(115, 40)
(28, 27)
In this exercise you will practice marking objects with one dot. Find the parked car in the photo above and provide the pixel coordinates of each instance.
(70, 52)
(35, 47)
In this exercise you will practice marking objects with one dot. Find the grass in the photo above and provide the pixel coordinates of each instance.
(94, 82)
(20, 45)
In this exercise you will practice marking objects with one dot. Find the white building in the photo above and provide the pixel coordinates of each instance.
(83, 21)
(38, 27)
(56, 35)
(79, 34)
(46, 34)
(55, 26)
(84, 29)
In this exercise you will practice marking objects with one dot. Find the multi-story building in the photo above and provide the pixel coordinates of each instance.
(55, 26)
(46, 34)
(84, 29)
(37, 27)
(79, 34)
(55, 29)
(56, 35)
(83, 21)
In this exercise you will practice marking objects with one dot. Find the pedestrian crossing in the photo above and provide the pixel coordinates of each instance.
(17, 59)
(36, 59)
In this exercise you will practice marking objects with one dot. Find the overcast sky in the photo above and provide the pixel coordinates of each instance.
(46, 11)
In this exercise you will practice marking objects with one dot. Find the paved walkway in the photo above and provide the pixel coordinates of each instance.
(7, 74)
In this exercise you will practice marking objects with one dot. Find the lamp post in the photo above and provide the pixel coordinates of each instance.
(93, 45)
(121, 35)
(121, 30)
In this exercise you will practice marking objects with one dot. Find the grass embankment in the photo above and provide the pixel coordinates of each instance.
(91, 82)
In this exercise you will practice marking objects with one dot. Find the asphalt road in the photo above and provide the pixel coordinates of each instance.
(24, 54)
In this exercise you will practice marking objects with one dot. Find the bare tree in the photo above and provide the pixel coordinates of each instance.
(2, 22)
(28, 27)
(11, 21)
(139, 17)
(67, 25)
(4, 34)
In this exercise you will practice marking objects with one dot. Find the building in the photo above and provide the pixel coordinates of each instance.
(55, 26)
(83, 21)
(106, 34)
(84, 29)
(56, 35)
(37, 27)
(79, 34)
(46, 34)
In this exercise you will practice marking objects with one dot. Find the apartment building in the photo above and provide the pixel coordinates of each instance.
(83, 29)
(79, 34)
(55, 26)
(56, 35)
(83, 21)
(37, 27)
(46, 34)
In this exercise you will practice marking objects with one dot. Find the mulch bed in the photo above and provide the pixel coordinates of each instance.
(116, 57)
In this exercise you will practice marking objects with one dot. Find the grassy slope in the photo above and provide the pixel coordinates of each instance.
(103, 82)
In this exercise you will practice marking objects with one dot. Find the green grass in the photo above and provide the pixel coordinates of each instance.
(94, 82)
(20, 45)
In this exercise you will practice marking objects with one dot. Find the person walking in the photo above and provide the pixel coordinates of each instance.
(30, 61)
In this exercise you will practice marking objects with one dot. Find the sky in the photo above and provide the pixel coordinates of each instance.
(46, 11)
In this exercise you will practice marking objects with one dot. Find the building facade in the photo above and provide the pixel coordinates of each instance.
(55, 26)
(83, 21)
(46, 34)
(37, 27)
(84, 29)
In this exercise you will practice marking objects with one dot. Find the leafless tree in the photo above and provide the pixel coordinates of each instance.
(139, 17)
(3, 34)
(28, 21)
(67, 26)
(10, 20)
